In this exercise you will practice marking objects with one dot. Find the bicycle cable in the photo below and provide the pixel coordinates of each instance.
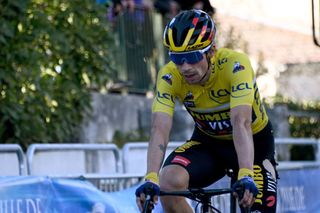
(215, 210)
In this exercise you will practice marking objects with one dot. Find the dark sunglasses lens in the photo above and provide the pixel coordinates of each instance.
(189, 58)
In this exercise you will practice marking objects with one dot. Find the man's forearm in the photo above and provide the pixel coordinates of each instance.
(243, 143)
(156, 154)
(160, 130)
(242, 135)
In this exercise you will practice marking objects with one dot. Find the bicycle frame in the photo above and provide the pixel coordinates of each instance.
(199, 195)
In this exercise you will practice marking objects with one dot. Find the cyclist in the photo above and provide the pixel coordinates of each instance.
(232, 129)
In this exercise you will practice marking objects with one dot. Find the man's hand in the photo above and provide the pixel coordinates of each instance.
(147, 191)
(246, 191)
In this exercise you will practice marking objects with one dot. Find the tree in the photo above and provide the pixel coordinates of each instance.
(53, 53)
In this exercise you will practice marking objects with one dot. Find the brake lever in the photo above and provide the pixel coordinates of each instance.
(147, 207)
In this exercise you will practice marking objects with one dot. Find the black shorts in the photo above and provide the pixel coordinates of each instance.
(208, 159)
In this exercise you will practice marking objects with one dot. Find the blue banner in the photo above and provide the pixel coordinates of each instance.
(25, 194)
(298, 192)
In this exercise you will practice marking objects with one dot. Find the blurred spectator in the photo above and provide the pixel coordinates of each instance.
(163, 6)
(196, 4)
(133, 27)
(119, 6)
(170, 8)
(116, 7)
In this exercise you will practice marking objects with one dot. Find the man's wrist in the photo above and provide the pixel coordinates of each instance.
(152, 177)
(245, 172)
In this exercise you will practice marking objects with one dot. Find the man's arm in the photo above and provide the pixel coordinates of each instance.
(243, 142)
(160, 130)
(242, 135)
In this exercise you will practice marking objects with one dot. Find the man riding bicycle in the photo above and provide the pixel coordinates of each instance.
(232, 129)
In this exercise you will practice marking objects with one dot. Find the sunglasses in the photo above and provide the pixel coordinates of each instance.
(191, 57)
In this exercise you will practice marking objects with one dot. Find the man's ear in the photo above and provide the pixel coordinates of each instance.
(212, 51)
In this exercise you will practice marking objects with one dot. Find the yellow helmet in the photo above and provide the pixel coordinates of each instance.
(188, 31)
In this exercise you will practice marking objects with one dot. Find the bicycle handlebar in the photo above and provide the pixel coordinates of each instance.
(197, 193)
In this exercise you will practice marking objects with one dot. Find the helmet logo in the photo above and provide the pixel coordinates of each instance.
(194, 47)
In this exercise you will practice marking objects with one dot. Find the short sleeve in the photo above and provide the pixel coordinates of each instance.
(241, 78)
(167, 85)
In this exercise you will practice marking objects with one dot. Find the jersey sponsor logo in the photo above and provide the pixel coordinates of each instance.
(218, 116)
(189, 104)
(188, 100)
(217, 123)
(222, 61)
(237, 67)
(241, 86)
(258, 101)
(166, 96)
(189, 96)
(259, 181)
(186, 146)
(181, 160)
(271, 184)
(265, 184)
(219, 93)
(216, 94)
(253, 116)
(168, 78)
(271, 200)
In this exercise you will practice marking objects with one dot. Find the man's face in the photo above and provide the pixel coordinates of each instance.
(194, 73)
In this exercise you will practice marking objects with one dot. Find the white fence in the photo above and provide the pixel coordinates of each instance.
(134, 156)
(12, 160)
(284, 165)
(105, 165)
(73, 159)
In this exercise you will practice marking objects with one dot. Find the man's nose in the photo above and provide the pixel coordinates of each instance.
(185, 65)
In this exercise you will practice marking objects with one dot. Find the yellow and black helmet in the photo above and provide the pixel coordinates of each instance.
(188, 31)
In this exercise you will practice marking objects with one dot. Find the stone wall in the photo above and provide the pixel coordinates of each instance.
(128, 113)
(113, 113)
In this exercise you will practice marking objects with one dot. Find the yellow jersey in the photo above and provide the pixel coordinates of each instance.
(231, 83)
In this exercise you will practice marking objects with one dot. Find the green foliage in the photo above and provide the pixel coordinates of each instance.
(307, 106)
(304, 126)
(52, 53)
(302, 152)
(304, 123)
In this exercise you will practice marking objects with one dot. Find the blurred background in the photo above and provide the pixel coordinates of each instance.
(80, 76)
(84, 71)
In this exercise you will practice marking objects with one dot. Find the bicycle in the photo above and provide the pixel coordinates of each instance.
(199, 195)
(203, 196)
